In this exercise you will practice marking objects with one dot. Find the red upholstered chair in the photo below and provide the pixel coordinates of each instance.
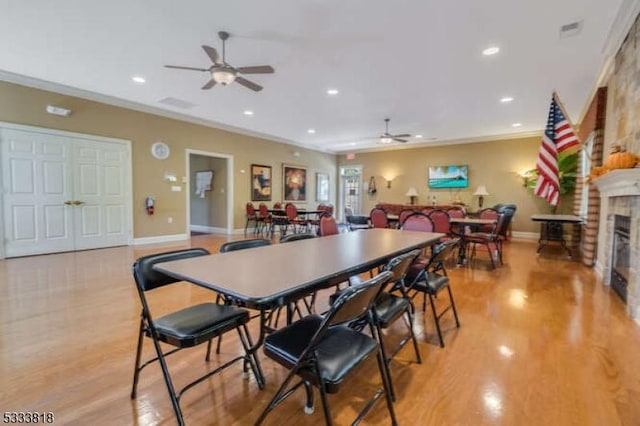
(441, 221)
(296, 221)
(252, 216)
(266, 218)
(378, 218)
(418, 222)
(487, 214)
(328, 226)
(403, 215)
(487, 241)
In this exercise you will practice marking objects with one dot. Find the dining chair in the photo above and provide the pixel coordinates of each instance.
(252, 216)
(431, 279)
(488, 241)
(328, 226)
(441, 223)
(418, 222)
(403, 216)
(378, 218)
(307, 348)
(393, 303)
(296, 222)
(267, 218)
(186, 327)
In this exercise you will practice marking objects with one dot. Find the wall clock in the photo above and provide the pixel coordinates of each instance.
(160, 150)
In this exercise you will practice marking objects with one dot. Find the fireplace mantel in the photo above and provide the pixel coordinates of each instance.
(620, 195)
(619, 183)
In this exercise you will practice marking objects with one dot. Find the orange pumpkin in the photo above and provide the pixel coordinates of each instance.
(620, 160)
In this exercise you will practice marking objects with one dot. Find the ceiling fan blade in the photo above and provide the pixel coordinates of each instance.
(401, 136)
(213, 54)
(209, 84)
(258, 69)
(178, 67)
(400, 140)
(248, 84)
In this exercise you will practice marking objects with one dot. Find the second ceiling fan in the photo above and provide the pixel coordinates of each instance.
(223, 73)
(387, 137)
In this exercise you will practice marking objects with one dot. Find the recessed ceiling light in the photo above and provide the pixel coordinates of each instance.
(353, 144)
(138, 79)
(506, 99)
(248, 112)
(419, 136)
(332, 92)
(516, 125)
(490, 51)
(311, 131)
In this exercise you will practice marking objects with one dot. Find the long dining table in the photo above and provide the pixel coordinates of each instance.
(265, 278)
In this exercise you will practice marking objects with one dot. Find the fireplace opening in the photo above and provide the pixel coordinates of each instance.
(621, 255)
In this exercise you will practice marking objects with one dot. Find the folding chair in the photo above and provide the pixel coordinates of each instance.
(186, 327)
(308, 349)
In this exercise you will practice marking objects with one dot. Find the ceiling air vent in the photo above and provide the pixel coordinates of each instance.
(570, 30)
(178, 103)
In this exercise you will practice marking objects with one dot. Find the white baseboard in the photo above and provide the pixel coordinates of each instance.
(208, 229)
(160, 239)
(526, 235)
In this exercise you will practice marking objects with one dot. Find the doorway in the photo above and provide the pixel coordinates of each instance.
(64, 191)
(351, 189)
(210, 195)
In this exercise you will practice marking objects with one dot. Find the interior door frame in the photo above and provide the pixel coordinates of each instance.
(75, 135)
(341, 194)
(228, 189)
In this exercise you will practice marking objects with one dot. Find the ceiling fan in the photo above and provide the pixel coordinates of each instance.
(225, 74)
(387, 137)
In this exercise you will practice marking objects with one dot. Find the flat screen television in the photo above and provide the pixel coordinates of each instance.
(448, 176)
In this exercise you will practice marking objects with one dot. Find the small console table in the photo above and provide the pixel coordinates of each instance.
(552, 229)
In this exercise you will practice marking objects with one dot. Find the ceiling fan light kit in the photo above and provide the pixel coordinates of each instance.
(224, 74)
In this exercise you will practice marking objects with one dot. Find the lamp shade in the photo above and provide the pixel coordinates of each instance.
(481, 190)
(412, 192)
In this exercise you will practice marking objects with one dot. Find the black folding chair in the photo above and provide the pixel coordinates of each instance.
(187, 327)
(308, 348)
(430, 278)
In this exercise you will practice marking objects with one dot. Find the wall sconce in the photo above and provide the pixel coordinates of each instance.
(389, 179)
(481, 191)
(412, 194)
(528, 177)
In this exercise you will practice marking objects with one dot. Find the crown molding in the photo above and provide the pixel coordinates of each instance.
(35, 83)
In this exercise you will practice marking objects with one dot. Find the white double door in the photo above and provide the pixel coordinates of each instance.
(63, 191)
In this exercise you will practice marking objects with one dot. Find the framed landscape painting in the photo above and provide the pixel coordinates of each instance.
(322, 187)
(260, 182)
(294, 182)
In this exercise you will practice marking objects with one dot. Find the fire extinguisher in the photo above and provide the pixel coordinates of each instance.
(149, 202)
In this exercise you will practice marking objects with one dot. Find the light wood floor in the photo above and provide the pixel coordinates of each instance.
(542, 342)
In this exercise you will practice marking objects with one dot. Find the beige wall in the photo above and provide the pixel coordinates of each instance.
(497, 165)
(23, 105)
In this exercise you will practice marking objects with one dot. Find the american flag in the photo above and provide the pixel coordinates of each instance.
(558, 136)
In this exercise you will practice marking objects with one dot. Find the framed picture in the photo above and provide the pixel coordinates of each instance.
(260, 182)
(322, 186)
(294, 182)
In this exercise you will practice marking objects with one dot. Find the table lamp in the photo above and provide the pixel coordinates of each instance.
(481, 191)
(412, 194)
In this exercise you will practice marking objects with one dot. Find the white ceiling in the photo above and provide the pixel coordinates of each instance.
(418, 62)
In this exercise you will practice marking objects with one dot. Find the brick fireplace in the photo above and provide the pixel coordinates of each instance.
(620, 196)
